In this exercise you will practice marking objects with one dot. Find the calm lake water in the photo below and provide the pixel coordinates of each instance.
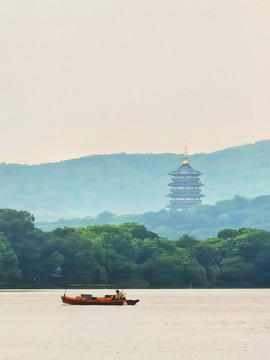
(165, 324)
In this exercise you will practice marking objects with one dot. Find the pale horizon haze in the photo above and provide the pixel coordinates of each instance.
(98, 77)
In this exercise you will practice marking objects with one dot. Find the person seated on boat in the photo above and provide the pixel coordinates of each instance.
(118, 295)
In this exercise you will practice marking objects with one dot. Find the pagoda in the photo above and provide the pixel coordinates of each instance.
(185, 186)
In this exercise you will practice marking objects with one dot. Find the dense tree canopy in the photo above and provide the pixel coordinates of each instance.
(129, 255)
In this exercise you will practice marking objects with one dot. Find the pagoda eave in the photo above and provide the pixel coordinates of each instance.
(173, 184)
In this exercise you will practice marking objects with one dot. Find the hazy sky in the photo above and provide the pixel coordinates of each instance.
(82, 77)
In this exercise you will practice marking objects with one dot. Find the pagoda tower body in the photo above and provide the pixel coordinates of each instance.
(185, 187)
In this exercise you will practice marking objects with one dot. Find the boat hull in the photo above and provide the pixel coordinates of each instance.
(97, 301)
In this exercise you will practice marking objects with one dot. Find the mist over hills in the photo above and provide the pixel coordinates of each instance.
(129, 183)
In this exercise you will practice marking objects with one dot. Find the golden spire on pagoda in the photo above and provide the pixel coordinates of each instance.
(185, 161)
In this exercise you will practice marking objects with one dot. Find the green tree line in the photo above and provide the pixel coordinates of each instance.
(129, 255)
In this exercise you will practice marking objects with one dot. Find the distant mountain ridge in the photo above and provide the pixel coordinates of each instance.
(129, 183)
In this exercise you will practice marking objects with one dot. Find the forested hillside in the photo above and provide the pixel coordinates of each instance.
(128, 255)
(126, 184)
(202, 221)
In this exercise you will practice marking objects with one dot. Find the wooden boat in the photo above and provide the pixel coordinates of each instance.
(87, 299)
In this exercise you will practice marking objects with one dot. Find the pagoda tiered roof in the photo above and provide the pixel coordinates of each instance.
(185, 169)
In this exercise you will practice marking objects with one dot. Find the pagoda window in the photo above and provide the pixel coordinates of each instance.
(186, 188)
(185, 199)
